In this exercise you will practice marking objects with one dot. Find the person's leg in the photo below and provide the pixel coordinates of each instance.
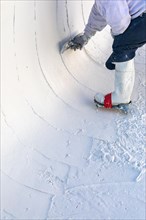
(126, 44)
(124, 83)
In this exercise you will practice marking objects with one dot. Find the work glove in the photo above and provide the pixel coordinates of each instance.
(79, 41)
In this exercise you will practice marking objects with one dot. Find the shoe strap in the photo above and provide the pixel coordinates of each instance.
(108, 101)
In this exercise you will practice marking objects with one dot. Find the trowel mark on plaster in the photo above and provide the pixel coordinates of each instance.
(39, 62)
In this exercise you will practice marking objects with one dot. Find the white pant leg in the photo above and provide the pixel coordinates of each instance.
(124, 82)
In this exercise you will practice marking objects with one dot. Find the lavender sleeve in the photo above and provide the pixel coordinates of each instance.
(117, 14)
(96, 22)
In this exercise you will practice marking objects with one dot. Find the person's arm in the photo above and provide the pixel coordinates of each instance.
(96, 22)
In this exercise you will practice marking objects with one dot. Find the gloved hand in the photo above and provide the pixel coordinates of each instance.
(79, 41)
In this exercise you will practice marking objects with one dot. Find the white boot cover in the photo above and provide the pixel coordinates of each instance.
(124, 82)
